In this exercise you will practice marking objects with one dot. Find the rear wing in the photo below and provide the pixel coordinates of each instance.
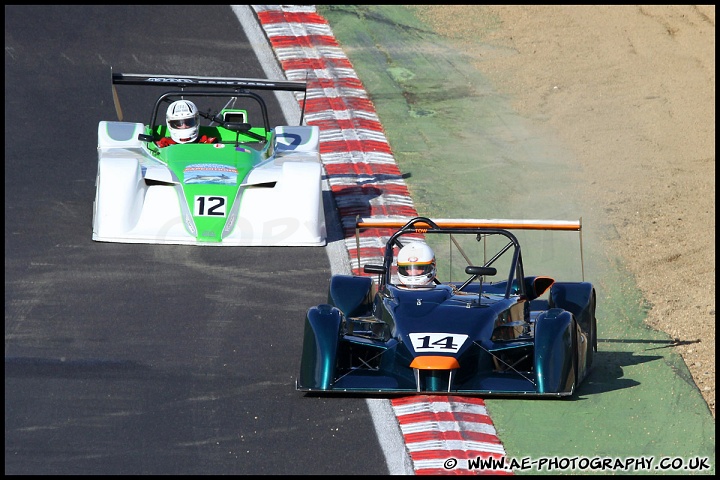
(422, 225)
(397, 223)
(191, 81)
(186, 81)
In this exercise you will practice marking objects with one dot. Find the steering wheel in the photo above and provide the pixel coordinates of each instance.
(237, 127)
(243, 128)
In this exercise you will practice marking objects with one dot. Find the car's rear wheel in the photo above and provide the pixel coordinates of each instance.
(592, 334)
(575, 356)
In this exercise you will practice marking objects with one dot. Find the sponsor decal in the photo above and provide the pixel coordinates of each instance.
(176, 80)
(211, 173)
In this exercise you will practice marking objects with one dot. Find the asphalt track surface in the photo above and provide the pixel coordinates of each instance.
(161, 359)
(145, 359)
(466, 153)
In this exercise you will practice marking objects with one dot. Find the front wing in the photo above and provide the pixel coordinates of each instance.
(335, 361)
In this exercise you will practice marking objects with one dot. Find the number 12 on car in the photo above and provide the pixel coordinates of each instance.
(210, 206)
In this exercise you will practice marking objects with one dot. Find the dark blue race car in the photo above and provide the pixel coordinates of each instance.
(477, 335)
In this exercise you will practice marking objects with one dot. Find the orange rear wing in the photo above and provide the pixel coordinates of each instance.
(421, 226)
(397, 223)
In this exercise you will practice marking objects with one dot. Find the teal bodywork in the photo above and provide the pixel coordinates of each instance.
(523, 336)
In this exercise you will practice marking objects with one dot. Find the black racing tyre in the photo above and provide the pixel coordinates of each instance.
(575, 356)
(592, 340)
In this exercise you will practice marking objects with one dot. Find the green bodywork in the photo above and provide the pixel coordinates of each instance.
(211, 175)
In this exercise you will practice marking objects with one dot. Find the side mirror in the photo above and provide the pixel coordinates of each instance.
(145, 138)
(374, 269)
(480, 271)
(477, 272)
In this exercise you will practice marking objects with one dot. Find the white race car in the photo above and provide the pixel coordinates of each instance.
(253, 185)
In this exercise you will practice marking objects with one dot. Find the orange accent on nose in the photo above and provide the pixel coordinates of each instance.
(433, 362)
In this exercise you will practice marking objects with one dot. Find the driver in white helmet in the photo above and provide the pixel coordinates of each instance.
(183, 125)
(416, 265)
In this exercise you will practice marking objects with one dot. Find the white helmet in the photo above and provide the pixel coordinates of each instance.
(416, 265)
(182, 121)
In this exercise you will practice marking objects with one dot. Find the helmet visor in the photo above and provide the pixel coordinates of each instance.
(183, 123)
(415, 269)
